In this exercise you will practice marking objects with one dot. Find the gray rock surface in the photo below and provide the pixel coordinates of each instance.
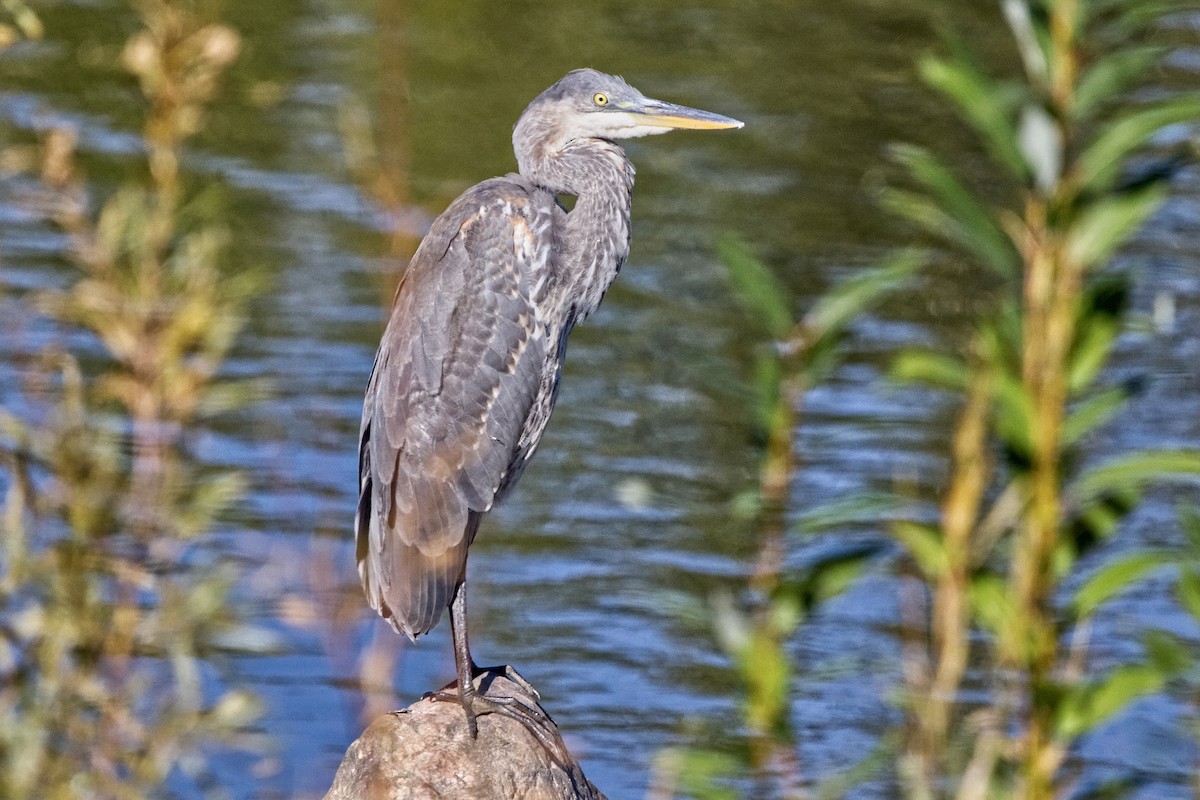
(426, 752)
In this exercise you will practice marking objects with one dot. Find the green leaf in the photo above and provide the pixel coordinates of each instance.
(1188, 592)
(994, 606)
(1189, 523)
(1117, 576)
(924, 543)
(211, 496)
(786, 610)
(1090, 352)
(1032, 39)
(933, 369)
(919, 209)
(224, 396)
(1097, 521)
(1040, 138)
(1111, 75)
(969, 224)
(1092, 412)
(828, 577)
(975, 95)
(836, 578)
(1098, 9)
(1099, 165)
(746, 505)
(761, 294)
(835, 573)
(1166, 652)
(730, 624)
(768, 378)
(841, 304)
(868, 507)
(1088, 705)
(700, 772)
(766, 671)
(822, 357)
(1135, 470)
(1102, 311)
(1105, 225)
(237, 709)
(1001, 338)
(1138, 15)
(1013, 414)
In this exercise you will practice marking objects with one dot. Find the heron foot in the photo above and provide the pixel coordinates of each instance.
(511, 673)
(525, 711)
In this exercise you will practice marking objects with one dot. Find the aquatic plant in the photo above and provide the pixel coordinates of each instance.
(1023, 503)
(1081, 163)
(755, 626)
(110, 618)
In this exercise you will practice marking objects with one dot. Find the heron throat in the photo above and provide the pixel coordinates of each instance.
(594, 241)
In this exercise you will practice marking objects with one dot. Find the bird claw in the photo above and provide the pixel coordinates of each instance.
(511, 673)
(487, 674)
(531, 715)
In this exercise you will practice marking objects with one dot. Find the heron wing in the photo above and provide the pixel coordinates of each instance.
(458, 369)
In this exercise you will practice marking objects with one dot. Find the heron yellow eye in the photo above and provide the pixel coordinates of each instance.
(600, 99)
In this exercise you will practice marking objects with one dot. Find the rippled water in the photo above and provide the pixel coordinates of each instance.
(628, 500)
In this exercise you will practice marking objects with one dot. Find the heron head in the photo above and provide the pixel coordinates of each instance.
(587, 104)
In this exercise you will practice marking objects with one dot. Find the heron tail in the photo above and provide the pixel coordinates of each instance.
(408, 586)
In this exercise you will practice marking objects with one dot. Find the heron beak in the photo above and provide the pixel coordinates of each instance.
(658, 114)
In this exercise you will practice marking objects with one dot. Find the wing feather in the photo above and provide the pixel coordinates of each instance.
(459, 368)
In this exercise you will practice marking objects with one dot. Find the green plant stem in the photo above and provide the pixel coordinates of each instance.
(1052, 290)
(775, 478)
(1050, 299)
(771, 752)
(951, 601)
(1064, 25)
(936, 662)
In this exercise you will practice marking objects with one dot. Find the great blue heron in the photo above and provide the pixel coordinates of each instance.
(467, 371)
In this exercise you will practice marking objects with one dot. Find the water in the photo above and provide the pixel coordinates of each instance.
(628, 500)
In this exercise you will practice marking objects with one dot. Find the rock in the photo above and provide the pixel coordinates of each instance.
(425, 752)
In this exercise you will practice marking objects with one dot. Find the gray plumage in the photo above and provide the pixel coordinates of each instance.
(467, 371)
(452, 408)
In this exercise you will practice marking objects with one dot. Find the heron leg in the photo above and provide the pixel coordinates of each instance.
(463, 663)
(531, 716)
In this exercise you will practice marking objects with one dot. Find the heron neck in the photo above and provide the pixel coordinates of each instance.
(596, 243)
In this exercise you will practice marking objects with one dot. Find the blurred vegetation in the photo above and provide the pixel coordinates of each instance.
(989, 577)
(111, 620)
(754, 628)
